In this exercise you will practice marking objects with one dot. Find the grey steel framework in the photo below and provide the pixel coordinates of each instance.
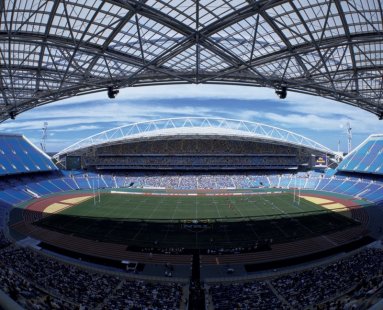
(196, 126)
(55, 49)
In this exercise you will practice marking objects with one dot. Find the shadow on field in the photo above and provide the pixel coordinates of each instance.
(253, 233)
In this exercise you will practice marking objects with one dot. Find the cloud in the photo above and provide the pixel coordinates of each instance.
(311, 121)
(96, 115)
(331, 115)
(86, 115)
(177, 92)
(77, 128)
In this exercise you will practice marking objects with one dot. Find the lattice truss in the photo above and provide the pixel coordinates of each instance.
(197, 126)
(54, 49)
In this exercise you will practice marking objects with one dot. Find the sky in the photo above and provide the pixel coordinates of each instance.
(73, 119)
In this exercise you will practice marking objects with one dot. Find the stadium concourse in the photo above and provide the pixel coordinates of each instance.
(334, 267)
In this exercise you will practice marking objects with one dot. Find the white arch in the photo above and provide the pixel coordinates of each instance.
(196, 125)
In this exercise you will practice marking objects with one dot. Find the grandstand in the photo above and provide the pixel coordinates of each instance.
(195, 144)
(39, 207)
(67, 212)
(366, 158)
(192, 212)
(18, 155)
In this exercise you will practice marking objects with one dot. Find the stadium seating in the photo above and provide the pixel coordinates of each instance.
(367, 158)
(194, 162)
(25, 178)
(196, 154)
(71, 286)
(29, 277)
(15, 191)
(4, 207)
(303, 289)
(18, 155)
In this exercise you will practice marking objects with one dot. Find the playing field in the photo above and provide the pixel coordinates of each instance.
(125, 206)
(193, 221)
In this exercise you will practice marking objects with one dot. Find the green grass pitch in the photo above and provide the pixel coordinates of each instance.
(125, 206)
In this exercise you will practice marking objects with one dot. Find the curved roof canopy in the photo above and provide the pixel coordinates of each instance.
(54, 49)
(196, 126)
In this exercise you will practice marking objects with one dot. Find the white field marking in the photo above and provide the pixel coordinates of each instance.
(261, 209)
(196, 212)
(239, 211)
(155, 209)
(215, 204)
(178, 202)
(135, 208)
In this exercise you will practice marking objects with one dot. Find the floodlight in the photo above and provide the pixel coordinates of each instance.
(282, 93)
(112, 92)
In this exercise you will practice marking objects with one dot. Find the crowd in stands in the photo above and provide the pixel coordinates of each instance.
(195, 146)
(197, 154)
(27, 294)
(193, 162)
(14, 190)
(249, 295)
(37, 281)
(145, 295)
(3, 240)
(301, 290)
(40, 282)
(322, 283)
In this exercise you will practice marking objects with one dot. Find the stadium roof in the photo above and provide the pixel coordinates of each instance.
(55, 49)
(196, 126)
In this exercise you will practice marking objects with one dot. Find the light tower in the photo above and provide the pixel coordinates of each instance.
(349, 137)
(44, 136)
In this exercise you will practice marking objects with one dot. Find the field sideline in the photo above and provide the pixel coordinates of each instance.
(189, 220)
(122, 206)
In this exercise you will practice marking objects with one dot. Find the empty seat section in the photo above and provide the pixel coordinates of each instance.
(356, 188)
(274, 181)
(38, 189)
(18, 155)
(331, 185)
(344, 186)
(70, 182)
(120, 181)
(285, 181)
(368, 158)
(82, 182)
(312, 183)
(322, 183)
(61, 185)
(8, 198)
(19, 194)
(49, 186)
(109, 181)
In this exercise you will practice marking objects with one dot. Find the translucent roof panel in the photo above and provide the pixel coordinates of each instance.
(50, 50)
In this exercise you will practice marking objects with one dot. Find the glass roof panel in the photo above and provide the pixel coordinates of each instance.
(54, 49)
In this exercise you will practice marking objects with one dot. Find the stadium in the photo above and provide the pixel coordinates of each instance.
(190, 212)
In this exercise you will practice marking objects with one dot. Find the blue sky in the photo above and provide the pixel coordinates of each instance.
(79, 117)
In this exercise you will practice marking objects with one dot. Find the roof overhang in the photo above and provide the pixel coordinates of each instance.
(51, 50)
